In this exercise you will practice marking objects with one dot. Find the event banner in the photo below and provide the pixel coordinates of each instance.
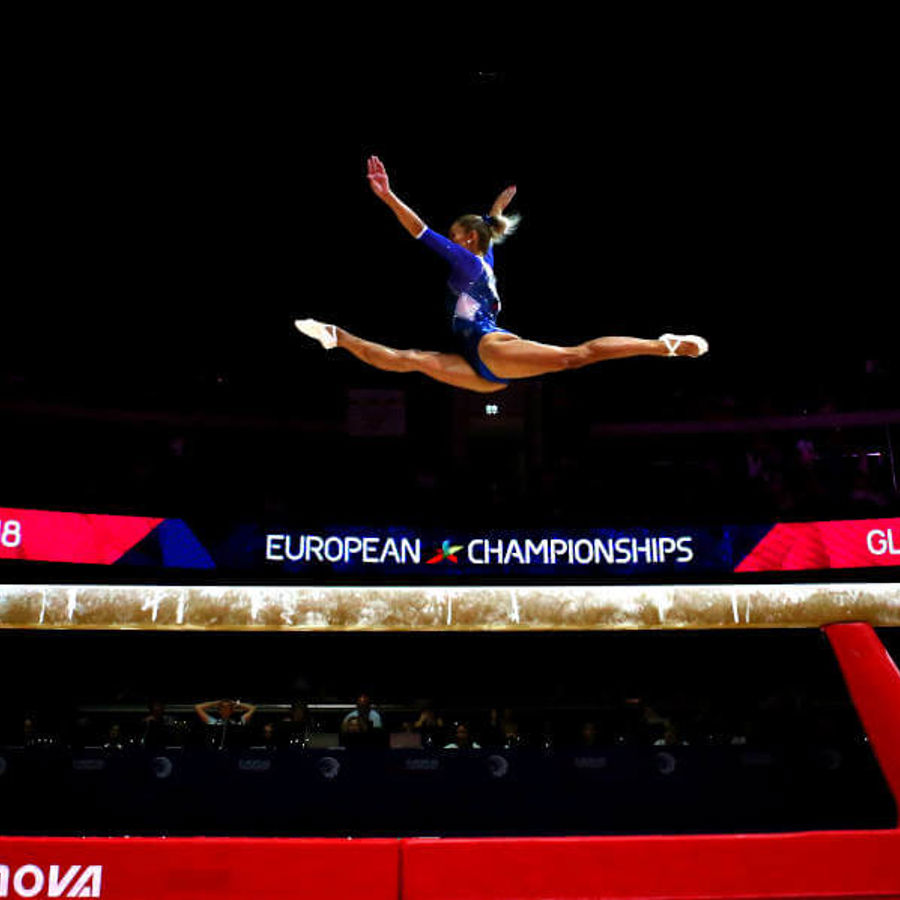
(302, 554)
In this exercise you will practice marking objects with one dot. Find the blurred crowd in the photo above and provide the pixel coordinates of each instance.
(406, 452)
(776, 720)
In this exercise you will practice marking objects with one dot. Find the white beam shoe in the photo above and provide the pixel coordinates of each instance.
(674, 341)
(326, 335)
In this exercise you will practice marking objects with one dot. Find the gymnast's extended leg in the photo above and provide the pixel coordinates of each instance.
(448, 368)
(508, 356)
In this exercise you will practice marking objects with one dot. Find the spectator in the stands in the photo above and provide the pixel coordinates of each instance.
(512, 737)
(503, 730)
(462, 739)
(355, 733)
(296, 728)
(670, 737)
(157, 727)
(114, 741)
(268, 736)
(430, 726)
(32, 735)
(223, 719)
(359, 732)
(217, 712)
(29, 731)
(370, 718)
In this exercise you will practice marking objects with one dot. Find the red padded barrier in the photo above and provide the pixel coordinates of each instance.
(199, 868)
(874, 684)
(838, 864)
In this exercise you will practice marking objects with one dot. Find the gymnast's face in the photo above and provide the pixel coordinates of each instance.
(467, 239)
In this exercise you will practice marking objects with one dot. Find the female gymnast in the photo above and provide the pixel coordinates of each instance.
(491, 356)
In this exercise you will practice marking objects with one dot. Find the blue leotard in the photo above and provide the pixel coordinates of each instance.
(477, 302)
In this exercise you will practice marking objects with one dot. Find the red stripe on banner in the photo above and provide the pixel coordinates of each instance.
(199, 868)
(70, 537)
(855, 544)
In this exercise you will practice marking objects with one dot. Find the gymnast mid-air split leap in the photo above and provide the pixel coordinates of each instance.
(491, 356)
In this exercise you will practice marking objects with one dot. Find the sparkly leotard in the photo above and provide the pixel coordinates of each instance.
(477, 303)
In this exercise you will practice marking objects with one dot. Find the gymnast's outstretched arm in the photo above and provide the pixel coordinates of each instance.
(465, 261)
(378, 181)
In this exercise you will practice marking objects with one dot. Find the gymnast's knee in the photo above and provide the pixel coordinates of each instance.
(573, 357)
(390, 360)
(420, 361)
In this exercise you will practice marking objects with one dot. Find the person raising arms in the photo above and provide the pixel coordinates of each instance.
(490, 356)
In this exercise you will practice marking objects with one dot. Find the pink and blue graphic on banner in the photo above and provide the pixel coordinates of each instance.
(806, 546)
(95, 539)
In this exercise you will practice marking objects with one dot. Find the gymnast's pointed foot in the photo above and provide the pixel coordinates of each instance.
(685, 344)
(326, 335)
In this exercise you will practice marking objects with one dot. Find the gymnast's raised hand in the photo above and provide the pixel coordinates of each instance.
(378, 178)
